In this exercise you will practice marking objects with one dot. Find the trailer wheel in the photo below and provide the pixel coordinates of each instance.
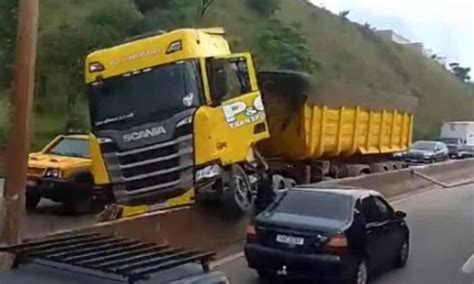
(237, 195)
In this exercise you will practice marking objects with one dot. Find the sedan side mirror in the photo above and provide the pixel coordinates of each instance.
(400, 214)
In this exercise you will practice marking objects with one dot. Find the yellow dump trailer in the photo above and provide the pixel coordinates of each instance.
(321, 131)
(306, 127)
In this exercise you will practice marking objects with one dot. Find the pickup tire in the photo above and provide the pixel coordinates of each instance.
(32, 199)
(237, 196)
(82, 201)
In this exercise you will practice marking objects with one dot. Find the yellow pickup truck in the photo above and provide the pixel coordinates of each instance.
(61, 172)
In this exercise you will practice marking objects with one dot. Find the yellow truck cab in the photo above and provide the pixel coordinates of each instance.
(61, 172)
(175, 115)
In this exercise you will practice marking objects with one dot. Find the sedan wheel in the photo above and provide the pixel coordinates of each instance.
(361, 275)
(402, 256)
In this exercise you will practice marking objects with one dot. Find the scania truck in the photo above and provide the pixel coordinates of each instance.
(177, 116)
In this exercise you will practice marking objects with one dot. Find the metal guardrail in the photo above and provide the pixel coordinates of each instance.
(109, 257)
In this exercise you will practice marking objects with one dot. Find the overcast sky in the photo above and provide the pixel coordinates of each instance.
(444, 26)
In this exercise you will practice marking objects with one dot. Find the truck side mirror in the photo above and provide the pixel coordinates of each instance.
(218, 79)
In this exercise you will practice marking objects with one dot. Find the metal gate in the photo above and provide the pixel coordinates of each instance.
(110, 257)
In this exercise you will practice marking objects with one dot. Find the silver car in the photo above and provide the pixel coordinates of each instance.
(427, 152)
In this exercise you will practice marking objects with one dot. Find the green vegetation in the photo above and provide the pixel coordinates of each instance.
(289, 34)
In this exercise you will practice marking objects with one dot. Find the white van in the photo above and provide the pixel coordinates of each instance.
(459, 137)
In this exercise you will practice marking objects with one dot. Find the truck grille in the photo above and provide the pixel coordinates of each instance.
(154, 172)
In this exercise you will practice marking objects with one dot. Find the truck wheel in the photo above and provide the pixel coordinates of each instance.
(32, 199)
(237, 196)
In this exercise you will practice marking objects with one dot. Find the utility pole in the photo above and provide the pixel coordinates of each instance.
(21, 102)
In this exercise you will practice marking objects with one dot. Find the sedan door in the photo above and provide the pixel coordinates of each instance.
(395, 234)
(377, 234)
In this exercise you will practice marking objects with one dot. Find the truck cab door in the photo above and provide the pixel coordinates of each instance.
(234, 107)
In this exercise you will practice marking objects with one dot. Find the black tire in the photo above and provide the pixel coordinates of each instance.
(265, 275)
(237, 195)
(361, 274)
(80, 206)
(82, 201)
(402, 255)
(32, 199)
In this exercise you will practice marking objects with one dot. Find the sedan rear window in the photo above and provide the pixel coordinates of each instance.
(315, 204)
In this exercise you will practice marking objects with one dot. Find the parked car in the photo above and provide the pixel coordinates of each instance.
(427, 152)
(336, 234)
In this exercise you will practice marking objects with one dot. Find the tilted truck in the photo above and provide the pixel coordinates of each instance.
(177, 116)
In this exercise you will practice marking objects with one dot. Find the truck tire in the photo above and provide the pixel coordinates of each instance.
(237, 196)
(32, 199)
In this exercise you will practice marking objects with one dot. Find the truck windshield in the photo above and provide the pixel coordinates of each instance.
(71, 147)
(151, 94)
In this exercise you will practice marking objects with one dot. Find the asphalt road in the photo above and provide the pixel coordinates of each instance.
(442, 241)
(49, 217)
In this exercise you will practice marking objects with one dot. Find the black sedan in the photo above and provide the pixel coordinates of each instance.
(336, 234)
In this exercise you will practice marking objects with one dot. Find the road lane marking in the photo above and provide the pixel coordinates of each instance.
(226, 260)
(468, 266)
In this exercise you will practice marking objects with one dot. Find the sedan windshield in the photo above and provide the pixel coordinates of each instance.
(424, 145)
(315, 204)
(151, 94)
(71, 147)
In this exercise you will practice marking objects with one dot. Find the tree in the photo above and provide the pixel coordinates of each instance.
(461, 72)
(285, 47)
(8, 10)
(205, 4)
(264, 7)
(344, 14)
(62, 51)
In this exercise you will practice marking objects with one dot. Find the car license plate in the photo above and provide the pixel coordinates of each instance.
(31, 183)
(290, 240)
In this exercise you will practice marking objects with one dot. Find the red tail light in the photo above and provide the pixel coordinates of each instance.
(251, 233)
(337, 244)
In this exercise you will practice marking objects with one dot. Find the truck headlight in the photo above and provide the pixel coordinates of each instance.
(54, 173)
(208, 172)
(187, 120)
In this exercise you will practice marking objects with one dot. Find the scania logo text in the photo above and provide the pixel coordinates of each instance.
(138, 135)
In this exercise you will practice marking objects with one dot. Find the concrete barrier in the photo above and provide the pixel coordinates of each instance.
(398, 182)
(208, 228)
(191, 227)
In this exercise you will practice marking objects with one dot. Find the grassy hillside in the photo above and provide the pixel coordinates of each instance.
(342, 53)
